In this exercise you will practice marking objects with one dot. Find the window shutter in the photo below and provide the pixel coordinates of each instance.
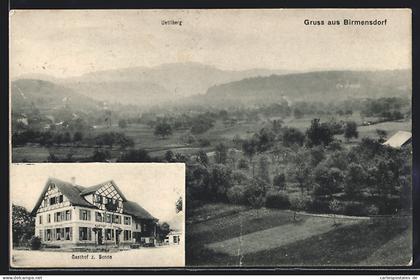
(88, 215)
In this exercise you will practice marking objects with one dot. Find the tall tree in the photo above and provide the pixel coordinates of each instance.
(350, 130)
(163, 129)
(202, 158)
(249, 147)
(221, 153)
(355, 180)
(264, 169)
(23, 224)
(300, 171)
(292, 136)
(319, 134)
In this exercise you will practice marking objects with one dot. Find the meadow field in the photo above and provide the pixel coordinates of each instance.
(144, 138)
(270, 237)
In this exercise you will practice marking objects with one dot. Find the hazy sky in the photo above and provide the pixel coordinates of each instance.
(70, 43)
(156, 187)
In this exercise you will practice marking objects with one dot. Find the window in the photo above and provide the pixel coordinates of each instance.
(40, 219)
(53, 200)
(68, 215)
(68, 233)
(45, 202)
(127, 220)
(98, 217)
(85, 233)
(98, 198)
(108, 218)
(61, 216)
(116, 219)
(60, 199)
(41, 234)
(49, 218)
(48, 235)
(127, 235)
(58, 234)
(84, 215)
(57, 217)
(176, 238)
(109, 234)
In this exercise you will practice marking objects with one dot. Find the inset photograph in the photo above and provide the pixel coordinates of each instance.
(97, 215)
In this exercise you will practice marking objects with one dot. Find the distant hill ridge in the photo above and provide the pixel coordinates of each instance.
(47, 96)
(146, 86)
(194, 83)
(318, 86)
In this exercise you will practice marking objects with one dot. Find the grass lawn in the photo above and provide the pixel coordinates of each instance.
(313, 241)
(233, 225)
(40, 154)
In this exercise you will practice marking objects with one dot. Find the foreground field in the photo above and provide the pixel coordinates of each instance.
(264, 237)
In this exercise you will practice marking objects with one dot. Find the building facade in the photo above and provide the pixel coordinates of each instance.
(71, 215)
(174, 237)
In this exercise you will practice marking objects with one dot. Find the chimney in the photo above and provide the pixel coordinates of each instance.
(73, 181)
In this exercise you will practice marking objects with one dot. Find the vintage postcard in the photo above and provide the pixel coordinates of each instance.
(97, 215)
(294, 126)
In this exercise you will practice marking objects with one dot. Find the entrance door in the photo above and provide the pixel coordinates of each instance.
(100, 237)
(117, 237)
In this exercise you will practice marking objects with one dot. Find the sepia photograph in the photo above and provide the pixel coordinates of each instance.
(294, 125)
(97, 215)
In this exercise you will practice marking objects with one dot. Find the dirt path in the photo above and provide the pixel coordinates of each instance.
(277, 236)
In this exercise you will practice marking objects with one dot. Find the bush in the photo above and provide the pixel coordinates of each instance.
(243, 164)
(388, 206)
(101, 155)
(236, 195)
(319, 205)
(140, 155)
(35, 243)
(355, 208)
(336, 206)
(299, 203)
(203, 142)
(255, 193)
(280, 181)
(188, 138)
(372, 210)
(277, 199)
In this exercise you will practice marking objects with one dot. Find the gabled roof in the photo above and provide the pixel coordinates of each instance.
(399, 139)
(93, 189)
(132, 208)
(75, 194)
(72, 192)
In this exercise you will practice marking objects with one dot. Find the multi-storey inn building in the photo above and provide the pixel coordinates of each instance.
(69, 214)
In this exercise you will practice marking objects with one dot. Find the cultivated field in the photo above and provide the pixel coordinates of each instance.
(253, 237)
(144, 138)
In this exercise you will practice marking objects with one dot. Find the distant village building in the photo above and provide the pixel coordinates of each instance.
(23, 120)
(68, 214)
(399, 139)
